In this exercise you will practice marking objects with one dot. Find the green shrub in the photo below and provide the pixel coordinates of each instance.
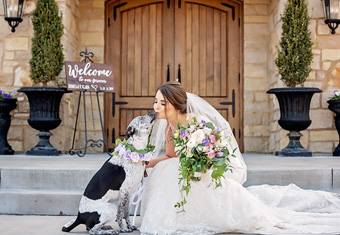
(295, 53)
(47, 51)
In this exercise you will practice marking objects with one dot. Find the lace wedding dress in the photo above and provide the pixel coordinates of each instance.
(231, 208)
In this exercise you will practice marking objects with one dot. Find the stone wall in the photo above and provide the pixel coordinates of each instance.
(84, 28)
(321, 137)
(256, 78)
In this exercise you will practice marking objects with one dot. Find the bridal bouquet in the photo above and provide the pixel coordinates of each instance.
(201, 147)
(127, 151)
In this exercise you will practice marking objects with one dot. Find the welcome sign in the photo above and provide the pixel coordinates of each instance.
(89, 77)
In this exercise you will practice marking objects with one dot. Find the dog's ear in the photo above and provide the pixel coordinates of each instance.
(129, 132)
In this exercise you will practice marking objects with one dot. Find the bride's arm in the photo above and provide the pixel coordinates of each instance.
(169, 152)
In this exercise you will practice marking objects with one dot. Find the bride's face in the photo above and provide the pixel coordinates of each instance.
(164, 109)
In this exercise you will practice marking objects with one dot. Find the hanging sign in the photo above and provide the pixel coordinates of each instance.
(89, 77)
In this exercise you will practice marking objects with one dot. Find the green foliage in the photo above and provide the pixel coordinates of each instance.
(295, 56)
(47, 51)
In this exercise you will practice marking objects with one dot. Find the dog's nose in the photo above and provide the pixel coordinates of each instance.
(153, 115)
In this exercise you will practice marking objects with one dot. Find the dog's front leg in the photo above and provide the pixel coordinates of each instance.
(127, 216)
(122, 208)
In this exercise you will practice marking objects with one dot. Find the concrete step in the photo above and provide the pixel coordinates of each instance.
(39, 202)
(50, 185)
(41, 178)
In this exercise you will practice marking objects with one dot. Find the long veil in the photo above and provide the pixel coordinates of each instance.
(201, 108)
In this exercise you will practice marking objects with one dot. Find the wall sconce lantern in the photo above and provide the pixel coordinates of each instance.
(331, 11)
(13, 9)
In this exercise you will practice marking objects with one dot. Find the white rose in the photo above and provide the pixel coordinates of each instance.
(198, 136)
(191, 143)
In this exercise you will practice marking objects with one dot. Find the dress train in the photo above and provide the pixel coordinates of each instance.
(233, 208)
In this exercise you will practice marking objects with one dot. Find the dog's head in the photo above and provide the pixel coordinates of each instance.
(139, 129)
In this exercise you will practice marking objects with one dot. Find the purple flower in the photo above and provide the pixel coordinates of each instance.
(219, 154)
(1, 92)
(183, 134)
(127, 154)
(7, 96)
(217, 130)
(141, 157)
(205, 141)
(119, 147)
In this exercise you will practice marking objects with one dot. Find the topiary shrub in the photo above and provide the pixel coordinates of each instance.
(47, 51)
(295, 53)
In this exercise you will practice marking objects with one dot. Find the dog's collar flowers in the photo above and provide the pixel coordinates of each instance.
(127, 151)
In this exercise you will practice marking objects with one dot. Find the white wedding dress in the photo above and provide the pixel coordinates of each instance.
(231, 208)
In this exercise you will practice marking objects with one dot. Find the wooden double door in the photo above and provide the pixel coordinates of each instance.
(196, 42)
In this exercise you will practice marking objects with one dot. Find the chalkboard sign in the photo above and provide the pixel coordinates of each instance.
(89, 77)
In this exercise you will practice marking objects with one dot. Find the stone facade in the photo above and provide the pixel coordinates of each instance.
(84, 28)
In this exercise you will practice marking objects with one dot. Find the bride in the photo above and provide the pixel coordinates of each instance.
(231, 207)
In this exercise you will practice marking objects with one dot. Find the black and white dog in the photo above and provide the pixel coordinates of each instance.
(107, 195)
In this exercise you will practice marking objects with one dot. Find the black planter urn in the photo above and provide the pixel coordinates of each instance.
(294, 116)
(334, 106)
(6, 106)
(44, 105)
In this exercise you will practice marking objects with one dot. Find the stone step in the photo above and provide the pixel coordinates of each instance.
(39, 202)
(77, 179)
(48, 186)
(37, 178)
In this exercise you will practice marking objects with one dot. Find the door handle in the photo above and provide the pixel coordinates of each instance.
(232, 103)
(179, 73)
(168, 73)
(179, 3)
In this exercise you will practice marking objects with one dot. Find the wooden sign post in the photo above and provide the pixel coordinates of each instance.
(90, 77)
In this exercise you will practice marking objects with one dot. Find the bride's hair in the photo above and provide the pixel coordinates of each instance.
(175, 94)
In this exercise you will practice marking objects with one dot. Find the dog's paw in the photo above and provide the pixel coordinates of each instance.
(107, 227)
(104, 232)
(132, 227)
(126, 230)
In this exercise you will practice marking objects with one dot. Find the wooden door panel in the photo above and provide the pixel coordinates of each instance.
(206, 51)
(141, 55)
(134, 46)
(150, 41)
(210, 61)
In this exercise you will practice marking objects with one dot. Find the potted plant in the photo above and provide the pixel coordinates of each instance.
(7, 104)
(45, 66)
(334, 106)
(293, 63)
